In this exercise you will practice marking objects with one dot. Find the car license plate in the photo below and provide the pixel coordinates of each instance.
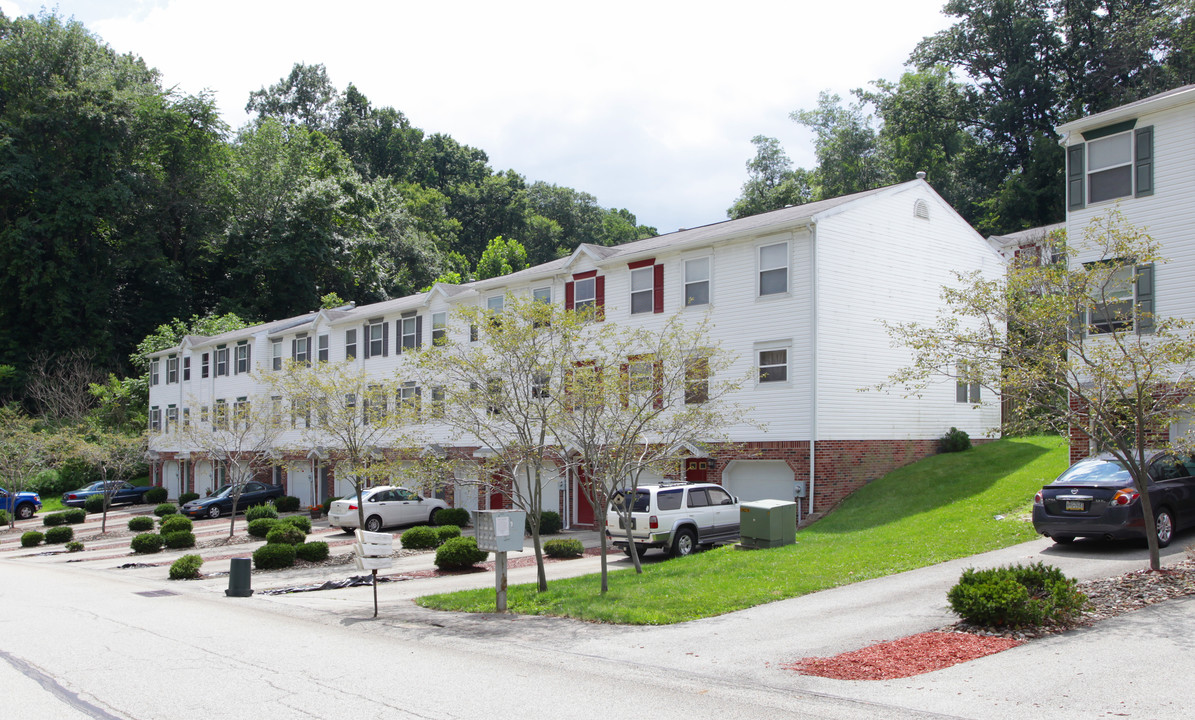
(1076, 505)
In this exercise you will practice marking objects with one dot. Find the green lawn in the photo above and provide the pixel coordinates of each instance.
(942, 508)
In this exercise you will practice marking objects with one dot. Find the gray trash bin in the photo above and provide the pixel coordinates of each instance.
(239, 578)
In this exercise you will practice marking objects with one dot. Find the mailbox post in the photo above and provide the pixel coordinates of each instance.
(499, 531)
(373, 553)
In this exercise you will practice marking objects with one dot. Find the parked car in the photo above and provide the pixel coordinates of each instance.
(220, 502)
(22, 505)
(1096, 498)
(122, 492)
(385, 506)
(675, 517)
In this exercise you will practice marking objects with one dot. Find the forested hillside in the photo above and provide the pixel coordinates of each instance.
(125, 204)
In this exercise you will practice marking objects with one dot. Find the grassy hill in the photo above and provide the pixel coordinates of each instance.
(941, 508)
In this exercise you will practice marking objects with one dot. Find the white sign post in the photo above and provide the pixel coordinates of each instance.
(499, 531)
(373, 553)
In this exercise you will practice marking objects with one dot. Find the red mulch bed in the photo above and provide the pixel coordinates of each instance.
(905, 657)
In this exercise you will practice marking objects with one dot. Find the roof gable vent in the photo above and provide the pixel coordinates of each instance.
(921, 209)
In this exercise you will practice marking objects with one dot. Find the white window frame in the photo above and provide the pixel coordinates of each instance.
(591, 301)
(221, 362)
(639, 289)
(409, 329)
(154, 370)
(322, 344)
(1116, 166)
(773, 346)
(376, 329)
(171, 369)
(350, 344)
(495, 304)
(686, 298)
(542, 294)
(241, 358)
(439, 328)
(276, 354)
(761, 268)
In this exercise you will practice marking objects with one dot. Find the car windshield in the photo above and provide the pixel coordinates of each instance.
(642, 499)
(1095, 471)
(224, 491)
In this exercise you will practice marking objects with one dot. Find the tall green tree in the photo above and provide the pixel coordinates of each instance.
(772, 182)
(501, 257)
(304, 97)
(846, 146)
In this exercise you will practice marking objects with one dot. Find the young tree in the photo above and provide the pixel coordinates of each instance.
(1068, 339)
(23, 452)
(117, 455)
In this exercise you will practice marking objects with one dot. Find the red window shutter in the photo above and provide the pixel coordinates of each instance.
(568, 296)
(599, 293)
(658, 290)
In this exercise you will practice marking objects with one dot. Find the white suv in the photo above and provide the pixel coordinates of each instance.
(676, 517)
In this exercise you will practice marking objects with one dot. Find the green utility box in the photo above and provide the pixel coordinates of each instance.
(767, 523)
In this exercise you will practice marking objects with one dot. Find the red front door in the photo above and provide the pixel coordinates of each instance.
(584, 506)
(697, 470)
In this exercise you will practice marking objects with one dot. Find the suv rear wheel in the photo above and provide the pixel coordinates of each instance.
(684, 543)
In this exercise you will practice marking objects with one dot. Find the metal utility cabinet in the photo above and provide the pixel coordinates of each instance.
(767, 523)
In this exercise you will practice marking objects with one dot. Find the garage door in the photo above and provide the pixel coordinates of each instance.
(759, 480)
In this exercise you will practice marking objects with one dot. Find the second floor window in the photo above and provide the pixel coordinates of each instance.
(171, 418)
(276, 354)
(221, 361)
(171, 370)
(300, 349)
(773, 269)
(697, 281)
(350, 344)
(376, 338)
(204, 365)
(697, 380)
(322, 343)
(410, 328)
(187, 368)
(439, 328)
(154, 369)
(243, 358)
(773, 365)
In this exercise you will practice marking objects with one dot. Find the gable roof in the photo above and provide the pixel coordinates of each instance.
(1153, 103)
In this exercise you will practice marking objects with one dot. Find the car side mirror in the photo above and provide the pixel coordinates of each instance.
(419, 498)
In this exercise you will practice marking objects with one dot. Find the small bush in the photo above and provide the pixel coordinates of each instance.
(4, 519)
(186, 567)
(459, 552)
(285, 533)
(74, 546)
(146, 543)
(327, 505)
(549, 523)
(53, 519)
(300, 521)
(74, 516)
(31, 539)
(954, 441)
(420, 537)
(261, 527)
(287, 503)
(165, 509)
(94, 503)
(312, 551)
(1016, 596)
(61, 534)
(185, 498)
(156, 495)
(274, 555)
(452, 516)
(176, 523)
(445, 532)
(564, 548)
(141, 523)
(257, 512)
(179, 539)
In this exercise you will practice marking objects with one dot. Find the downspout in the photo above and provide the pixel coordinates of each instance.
(813, 292)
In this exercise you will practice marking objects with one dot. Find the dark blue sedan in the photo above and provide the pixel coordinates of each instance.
(120, 492)
(220, 503)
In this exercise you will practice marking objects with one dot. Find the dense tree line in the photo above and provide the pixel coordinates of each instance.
(977, 108)
(125, 205)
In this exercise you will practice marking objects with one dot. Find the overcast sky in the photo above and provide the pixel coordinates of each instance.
(647, 105)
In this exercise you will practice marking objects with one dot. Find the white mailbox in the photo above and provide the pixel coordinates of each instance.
(500, 530)
(374, 550)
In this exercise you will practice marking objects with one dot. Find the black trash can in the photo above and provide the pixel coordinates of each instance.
(240, 578)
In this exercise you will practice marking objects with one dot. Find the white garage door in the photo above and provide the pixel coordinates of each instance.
(759, 480)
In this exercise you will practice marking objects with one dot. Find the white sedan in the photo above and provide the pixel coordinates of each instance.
(384, 506)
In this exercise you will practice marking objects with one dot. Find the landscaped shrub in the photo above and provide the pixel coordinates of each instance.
(179, 539)
(459, 552)
(261, 527)
(564, 548)
(1016, 596)
(185, 498)
(954, 441)
(141, 523)
(420, 537)
(312, 551)
(549, 523)
(186, 567)
(452, 516)
(74, 546)
(327, 505)
(287, 503)
(146, 543)
(53, 519)
(257, 512)
(165, 509)
(274, 555)
(94, 503)
(60, 534)
(4, 519)
(74, 516)
(176, 523)
(156, 495)
(31, 539)
(285, 533)
(444, 532)
(300, 521)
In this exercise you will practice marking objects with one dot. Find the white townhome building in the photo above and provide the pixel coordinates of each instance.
(798, 294)
(1140, 159)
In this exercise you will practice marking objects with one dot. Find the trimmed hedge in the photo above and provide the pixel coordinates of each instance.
(420, 537)
(261, 527)
(564, 548)
(4, 519)
(186, 567)
(179, 539)
(273, 556)
(146, 543)
(549, 523)
(165, 509)
(287, 503)
(444, 532)
(459, 552)
(74, 516)
(452, 516)
(176, 523)
(60, 534)
(1016, 596)
(257, 512)
(312, 551)
(185, 498)
(156, 495)
(94, 503)
(53, 519)
(954, 440)
(141, 523)
(300, 521)
(31, 538)
(285, 533)
(74, 546)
